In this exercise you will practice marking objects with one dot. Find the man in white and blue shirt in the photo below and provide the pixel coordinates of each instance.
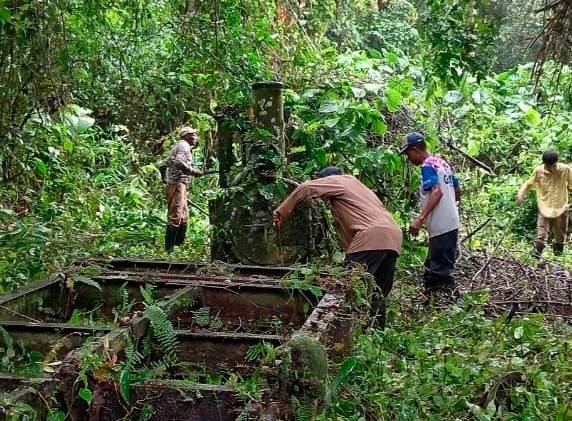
(439, 193)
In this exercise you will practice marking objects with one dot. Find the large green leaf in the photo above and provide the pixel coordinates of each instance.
(330, 106)
(379, 127)
(5, 14)
(532, 117)
(85, 280)
(392, 99)
(86, 395)
(452, 97)
(41, 166)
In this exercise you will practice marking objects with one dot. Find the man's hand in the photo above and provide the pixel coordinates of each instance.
(277, 219)
(415, 226)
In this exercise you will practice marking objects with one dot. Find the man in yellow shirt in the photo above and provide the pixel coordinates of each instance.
(553, 182)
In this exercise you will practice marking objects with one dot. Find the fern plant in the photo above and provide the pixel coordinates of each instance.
(202, 316)
(126, 305)
(163, 331)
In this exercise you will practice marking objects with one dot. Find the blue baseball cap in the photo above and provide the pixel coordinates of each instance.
(411, 139)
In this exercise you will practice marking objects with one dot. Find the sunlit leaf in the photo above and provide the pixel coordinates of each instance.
(393, 99)
(379, 127)
(86, 394)
(452, 97)
(330, 107)
(532, 117)
(41, 166)
(358, 92)
(518, 332)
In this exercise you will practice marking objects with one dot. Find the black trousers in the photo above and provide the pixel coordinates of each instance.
(440, 261)
(380, 264)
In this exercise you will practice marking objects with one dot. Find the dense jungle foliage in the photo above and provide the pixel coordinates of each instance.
(92, 92)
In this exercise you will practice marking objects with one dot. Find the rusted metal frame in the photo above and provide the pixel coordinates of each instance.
(140, 324)
(157, 264)
(196, 401)
(58, 327)
(331, 324)
(139, 277)
(227, 336)
(27, 289)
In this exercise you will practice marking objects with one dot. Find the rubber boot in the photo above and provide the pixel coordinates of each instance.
(181, 234)
(538, 249)
(558, 249)
(378, 312)
(170, 238)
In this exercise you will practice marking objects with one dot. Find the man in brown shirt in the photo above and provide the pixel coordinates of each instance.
(179, 170)
(367, 232)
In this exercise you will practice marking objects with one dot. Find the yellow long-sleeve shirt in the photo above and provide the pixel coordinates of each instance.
(552, 189)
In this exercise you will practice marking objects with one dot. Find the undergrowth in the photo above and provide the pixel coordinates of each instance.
(455, 364)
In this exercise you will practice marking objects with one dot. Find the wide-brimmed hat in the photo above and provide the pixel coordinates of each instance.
(185, 130)
(411, 139)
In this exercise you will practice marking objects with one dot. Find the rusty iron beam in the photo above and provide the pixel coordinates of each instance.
(184, 267)
(28, 289)
(220, 351)
(51, 327)
(198, 280)
(332, 324)
(182, 401)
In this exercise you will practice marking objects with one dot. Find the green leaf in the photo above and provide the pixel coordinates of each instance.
(358, 92)
(331, 122)
(474, 147)
(518, 332)
(348, 366)
(297, 149)
(478, 412)
(315, 290)
(68, 145)
(452, 97)
(379, 127)
(125, 384)
(330, 107)
(75, 318)
(41, 166)
(532, 117)
(393, 99)
(85, 280)
(5, 14)
(86, 395)
(56, 415)
(320, 157)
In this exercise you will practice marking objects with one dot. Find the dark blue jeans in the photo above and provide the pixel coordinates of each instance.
(440, 262)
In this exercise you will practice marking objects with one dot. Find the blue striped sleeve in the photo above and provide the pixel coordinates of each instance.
(429, 177)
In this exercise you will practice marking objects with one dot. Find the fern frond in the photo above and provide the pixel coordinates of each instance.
(163, 332)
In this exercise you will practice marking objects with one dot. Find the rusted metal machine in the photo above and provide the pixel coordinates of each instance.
(252, 307)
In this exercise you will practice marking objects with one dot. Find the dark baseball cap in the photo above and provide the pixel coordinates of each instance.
(328, 171)
(411, 139)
